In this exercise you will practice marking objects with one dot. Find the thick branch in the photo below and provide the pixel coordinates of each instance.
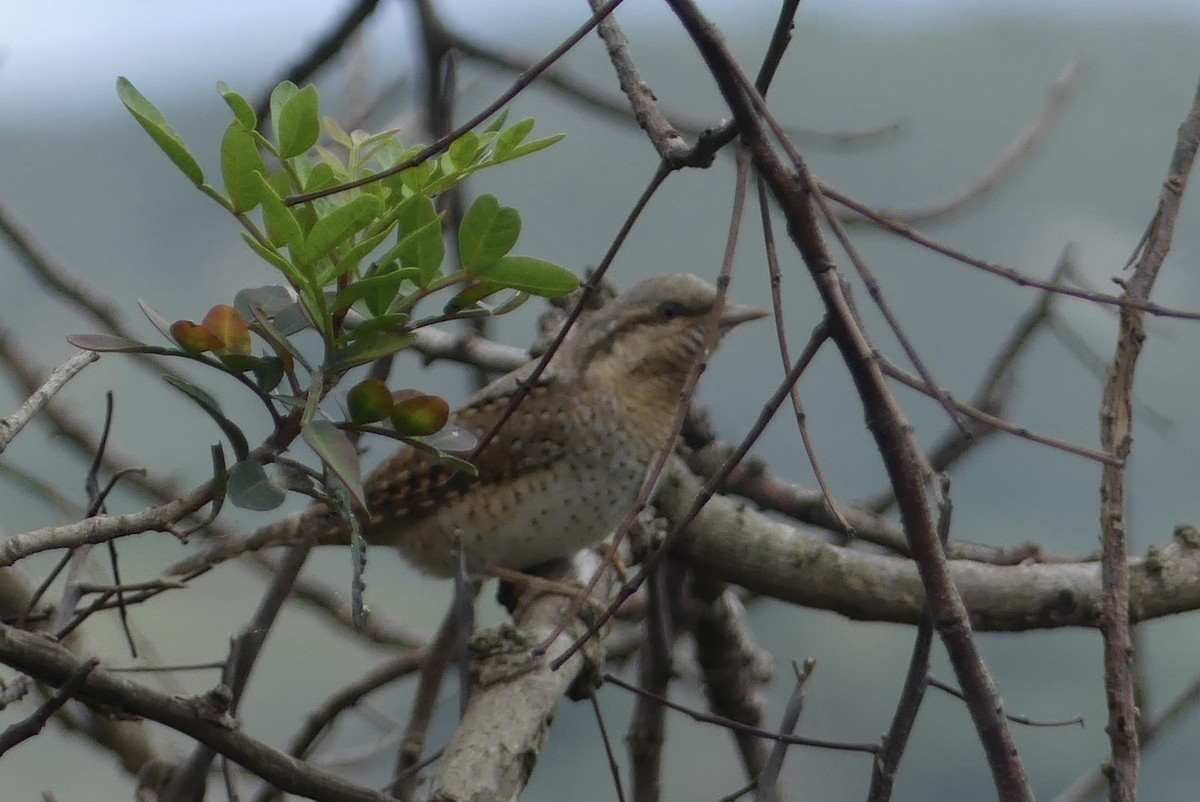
(48, 662)
(496, 746)
(745, 547)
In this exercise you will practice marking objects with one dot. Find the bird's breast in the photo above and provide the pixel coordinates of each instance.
(543, 513)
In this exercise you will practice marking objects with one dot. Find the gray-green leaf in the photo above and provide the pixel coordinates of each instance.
(251, 489)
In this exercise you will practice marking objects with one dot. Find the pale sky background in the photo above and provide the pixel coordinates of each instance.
(56, 54)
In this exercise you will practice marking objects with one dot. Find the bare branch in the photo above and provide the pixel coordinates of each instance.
(58, 378)
(53, 664)
(1116, 435)
(1061, 91)
(103, 528)
(744, 547)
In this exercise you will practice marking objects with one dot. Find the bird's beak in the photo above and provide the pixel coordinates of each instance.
(736, 314)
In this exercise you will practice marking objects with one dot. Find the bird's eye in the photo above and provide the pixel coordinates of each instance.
(670, 309)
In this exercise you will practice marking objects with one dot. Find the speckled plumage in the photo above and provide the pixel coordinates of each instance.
(566, 465)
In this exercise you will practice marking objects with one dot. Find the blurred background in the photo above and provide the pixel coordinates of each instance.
(962, 80)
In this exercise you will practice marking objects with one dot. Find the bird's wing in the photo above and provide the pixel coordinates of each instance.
(410, 482)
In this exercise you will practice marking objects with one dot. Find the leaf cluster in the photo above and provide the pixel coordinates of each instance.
(355, 265)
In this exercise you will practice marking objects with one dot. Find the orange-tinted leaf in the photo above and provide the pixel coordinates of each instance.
(415, 414)
(369, 401)
(194, 338)
(230, 327)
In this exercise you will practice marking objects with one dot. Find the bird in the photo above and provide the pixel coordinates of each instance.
(561, 471)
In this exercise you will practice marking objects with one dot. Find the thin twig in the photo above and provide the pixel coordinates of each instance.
(1061, 91)
(1013, 717)
(1016, 277)
(1116, 435)
(810, 450)
(433, 671)
(613, 768)
(902, 376)
(439, 146)
(318, 720)
(656, 668)
(33, 724)
(768, 782)
(737, 726)
(103, 528)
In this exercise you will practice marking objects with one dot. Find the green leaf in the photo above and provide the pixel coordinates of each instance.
(498, 123)
(390, 323)
(532, 146)
(389, 153)
(276, 259)
(337, 453)
(209, 404)
(320, 177)
(336, 132)
(513, 301)
(470, 296)
(240, 161)
(168, 141)
(515, 135)
(534, 276)
(280, 95)
(368, 349)
(243, 112)
(339, 225)
(488, 231)
(464, 150)
(251, 489)
(299, 123)
(378, 290)
(417, 176)
(282, 226)
(220, 484)
(268, 373)
(110, 342)
(351, 258)
(421, 245)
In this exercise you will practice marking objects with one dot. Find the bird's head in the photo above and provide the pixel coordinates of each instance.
(653, 332)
